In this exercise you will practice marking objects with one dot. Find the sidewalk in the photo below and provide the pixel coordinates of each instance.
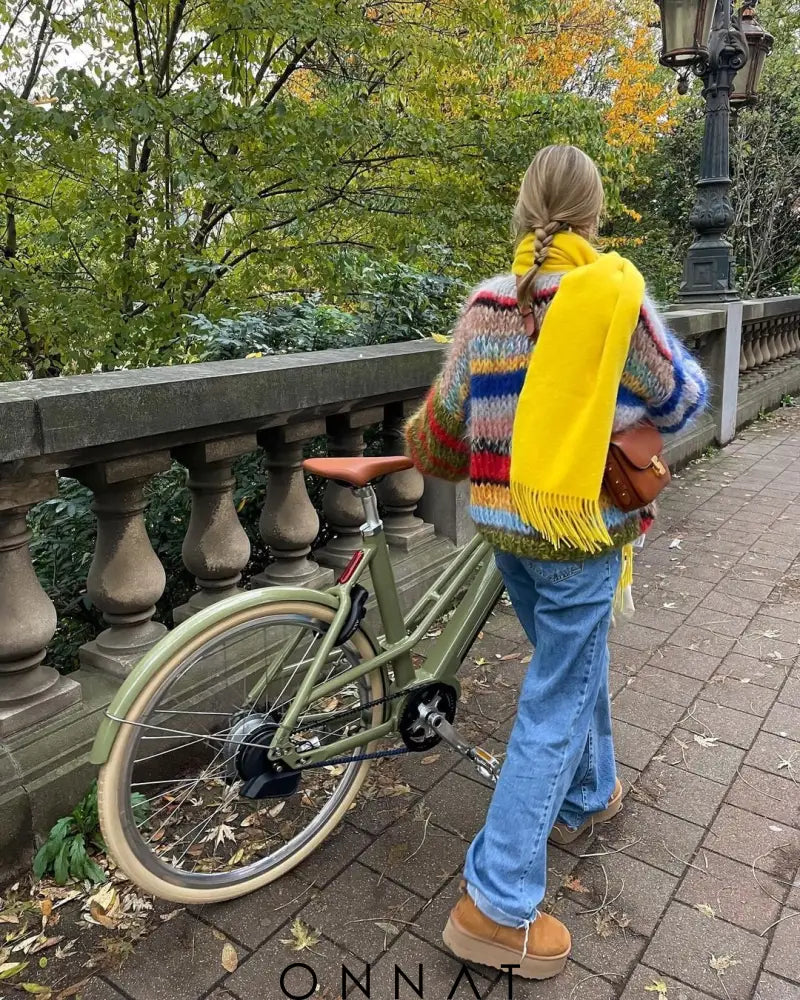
(687, 895)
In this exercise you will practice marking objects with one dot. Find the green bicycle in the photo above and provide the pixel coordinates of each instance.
(242, 738)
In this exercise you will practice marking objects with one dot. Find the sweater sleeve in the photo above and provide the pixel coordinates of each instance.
(661, 376)
(437, 434)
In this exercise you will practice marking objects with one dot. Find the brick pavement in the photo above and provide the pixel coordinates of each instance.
(690, 888)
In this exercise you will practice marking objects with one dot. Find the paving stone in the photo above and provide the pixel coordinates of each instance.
(769, 753)
(99, 989)
(459, 804)
(416, 854)
(719, 762)
(732, 693)
(718, 622)
(341, 847)
(573, 982)
(766, 794)
(347, 910)
(790, 692)
(763, 673)
(780, 611)
(667, 842)
(617, 680)
(661, 619)
(261, 974)
(624, 659)
(784, 720)
(695, 638)
(423, 770)
(689, 662)
(617, 953)
(679, 792)
(671, 687)
(634, 746)
(429, 923)
(771, 988)
(685, 942)
(738, 729)
(643, 977)
(732, 891)
(755, 840)
(161, 967)
(754, 590)
(428, 972)
(374, 815)
(679, 594)
(760, 647)
(647, 712)
(744, 607)
(637, 637)
(783, 957)
(639, 890)
(251, 919)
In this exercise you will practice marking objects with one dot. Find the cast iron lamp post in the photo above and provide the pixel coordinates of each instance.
(728, 53)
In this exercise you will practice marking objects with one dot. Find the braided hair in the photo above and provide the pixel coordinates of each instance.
(562, 189)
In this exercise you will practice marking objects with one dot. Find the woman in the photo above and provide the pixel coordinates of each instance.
(541, 371)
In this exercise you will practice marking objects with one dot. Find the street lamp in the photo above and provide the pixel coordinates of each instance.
(719, 56)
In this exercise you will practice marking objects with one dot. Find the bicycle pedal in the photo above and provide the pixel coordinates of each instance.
(486, 764)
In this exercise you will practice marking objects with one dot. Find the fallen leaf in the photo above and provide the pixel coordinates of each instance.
(9, 969)
(657, 986)
(99, 915)
(705, 909)
(669, 604)
(9, 917)
(508, 656)
(219, 935)
(745, 680)
(302, 936)
(166, 917)
(230, 959)
(706, 741)
(431, 758)
(44, 991)
(574, 883)
(387, 927)
(776, 829)
(722, 963)
(67, 949)
(675, 543)
(481, 661)
(46, 906)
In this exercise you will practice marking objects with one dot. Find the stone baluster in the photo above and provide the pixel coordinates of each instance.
(216, 548)
(342, 508)
(758, 354)
(749, 353)
(401, 492)
(743, 365)
(289, 523)
(794, 337)
(126, 578)
(30, 693)
(786, 347)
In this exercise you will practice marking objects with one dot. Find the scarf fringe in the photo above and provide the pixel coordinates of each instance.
(573, 521)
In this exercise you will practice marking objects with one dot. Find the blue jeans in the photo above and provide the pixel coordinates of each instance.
(560, 760)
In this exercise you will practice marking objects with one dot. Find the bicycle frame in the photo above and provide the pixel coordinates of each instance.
(473, 566)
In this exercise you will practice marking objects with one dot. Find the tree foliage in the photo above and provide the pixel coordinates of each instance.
(164, 159)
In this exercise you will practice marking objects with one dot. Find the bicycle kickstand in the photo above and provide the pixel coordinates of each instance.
(486, 764)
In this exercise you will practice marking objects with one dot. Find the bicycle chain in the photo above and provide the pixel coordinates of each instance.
(376, 754)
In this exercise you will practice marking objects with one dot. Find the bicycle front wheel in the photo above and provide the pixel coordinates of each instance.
(175, 794)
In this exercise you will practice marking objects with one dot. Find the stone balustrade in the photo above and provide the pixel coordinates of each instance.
(770, 332)
(114, 432)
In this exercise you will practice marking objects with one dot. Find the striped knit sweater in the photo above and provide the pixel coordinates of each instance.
(464, 426)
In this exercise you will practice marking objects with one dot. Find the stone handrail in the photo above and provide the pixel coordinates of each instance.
(115, 431)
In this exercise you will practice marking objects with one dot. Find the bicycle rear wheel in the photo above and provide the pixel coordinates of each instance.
(173, 793)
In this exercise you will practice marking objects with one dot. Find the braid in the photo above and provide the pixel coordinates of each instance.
(543, 239)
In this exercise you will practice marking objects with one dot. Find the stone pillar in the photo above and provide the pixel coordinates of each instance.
(125, 578)
(216, 548)
(289, 523)
(727, 379)
(30, 692)
(342, 508)
(400, 492)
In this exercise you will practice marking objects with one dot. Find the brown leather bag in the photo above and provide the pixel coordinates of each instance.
(635, 470)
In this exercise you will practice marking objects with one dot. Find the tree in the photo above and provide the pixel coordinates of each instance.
(177, 157)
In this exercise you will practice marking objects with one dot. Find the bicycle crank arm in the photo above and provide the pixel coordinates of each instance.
(487, 765)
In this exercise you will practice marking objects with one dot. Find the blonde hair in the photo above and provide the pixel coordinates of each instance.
(561, 189)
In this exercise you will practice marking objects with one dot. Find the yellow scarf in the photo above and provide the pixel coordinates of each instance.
(565, 413)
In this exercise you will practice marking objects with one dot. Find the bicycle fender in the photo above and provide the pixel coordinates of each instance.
(181, 636)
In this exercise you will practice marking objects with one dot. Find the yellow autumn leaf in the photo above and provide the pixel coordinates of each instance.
(302, 936)
(440, 338)
(657, 986)
(230, 959)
